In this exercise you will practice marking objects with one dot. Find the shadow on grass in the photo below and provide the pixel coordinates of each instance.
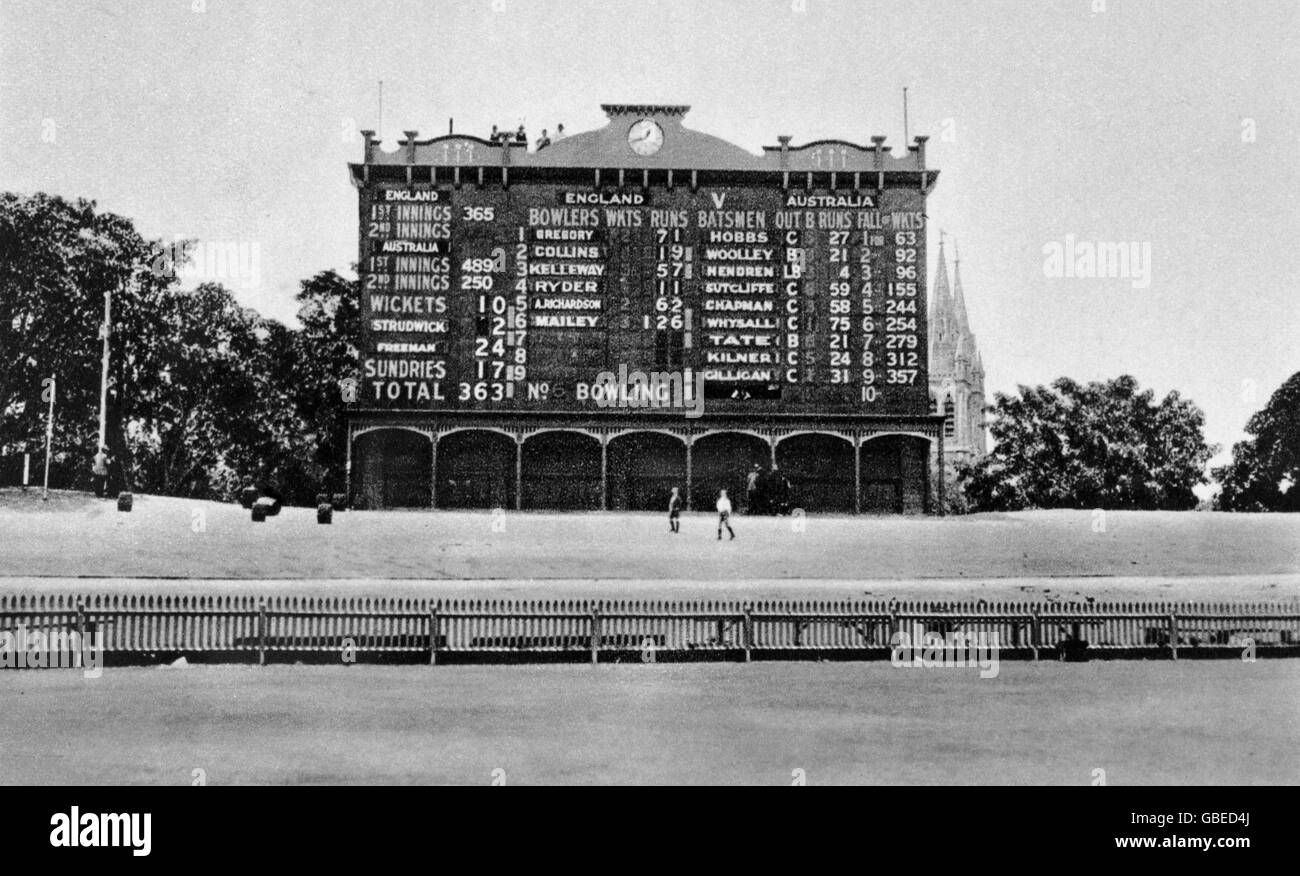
(16, 499)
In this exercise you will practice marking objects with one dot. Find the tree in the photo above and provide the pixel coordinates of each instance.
(326, 354)
(57, 259)
(205, 395)
(283, 449)
(204, 405)
(246, 399)
(1103, 444)
(1264, 474)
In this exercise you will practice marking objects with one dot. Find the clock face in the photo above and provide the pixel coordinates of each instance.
(645, 137)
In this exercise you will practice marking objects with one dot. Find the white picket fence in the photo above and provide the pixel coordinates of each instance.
(245, 627)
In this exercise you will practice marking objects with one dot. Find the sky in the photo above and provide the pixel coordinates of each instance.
(1167, 126)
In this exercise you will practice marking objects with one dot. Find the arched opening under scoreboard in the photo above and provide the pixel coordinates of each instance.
(476, 469)
(561, 470)
(643, 468)
(819, 468)
(392, 468)
(723, 460)
(895, 475)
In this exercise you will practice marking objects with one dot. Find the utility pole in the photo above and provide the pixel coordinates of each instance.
(905, 131)
(103, 375)
(49, 438)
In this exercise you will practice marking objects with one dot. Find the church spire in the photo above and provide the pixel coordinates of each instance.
(956, 367)
(959, 299)
(940, 295)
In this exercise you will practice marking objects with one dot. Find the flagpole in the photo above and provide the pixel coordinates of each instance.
(49, 438)
(905, 131)
(103, 374)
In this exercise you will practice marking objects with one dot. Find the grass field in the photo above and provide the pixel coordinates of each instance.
(75, 535)
(1141, 722)
(1213, 588)
(1190, 722)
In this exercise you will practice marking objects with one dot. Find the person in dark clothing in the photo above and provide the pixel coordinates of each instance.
(751, 490)
(781, 492)
(521, 136)
(675, 512)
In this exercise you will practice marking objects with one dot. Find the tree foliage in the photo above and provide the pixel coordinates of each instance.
(1095, 445)
(205, 394)
(1264, 474)
(57, 259)
(330, 315)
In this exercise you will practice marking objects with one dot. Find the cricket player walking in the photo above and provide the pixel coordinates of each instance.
(724, 514)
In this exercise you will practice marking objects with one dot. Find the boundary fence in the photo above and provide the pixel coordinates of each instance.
(248, 628)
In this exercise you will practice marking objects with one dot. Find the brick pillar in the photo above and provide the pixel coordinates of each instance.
(688, 475)
(519, 472)
(433, 470)
(942, 486)
(857, 477)
(604, 474)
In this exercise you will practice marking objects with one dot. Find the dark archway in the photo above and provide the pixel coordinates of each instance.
(392, 468)
(820, 471)
(643, 468)
(476, 469)
(562, 471)
(723, 461)
(896, 475)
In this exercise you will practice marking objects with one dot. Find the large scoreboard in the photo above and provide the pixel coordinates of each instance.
(639, 307)
(554, 296)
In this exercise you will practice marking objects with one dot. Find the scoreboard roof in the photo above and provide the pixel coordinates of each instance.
(682, 149)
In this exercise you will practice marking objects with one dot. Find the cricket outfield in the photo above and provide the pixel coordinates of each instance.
(1130, 722)
(75, 536)
(1143, 722)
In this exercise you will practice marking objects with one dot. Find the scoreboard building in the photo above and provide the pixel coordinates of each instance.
(643, 306)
